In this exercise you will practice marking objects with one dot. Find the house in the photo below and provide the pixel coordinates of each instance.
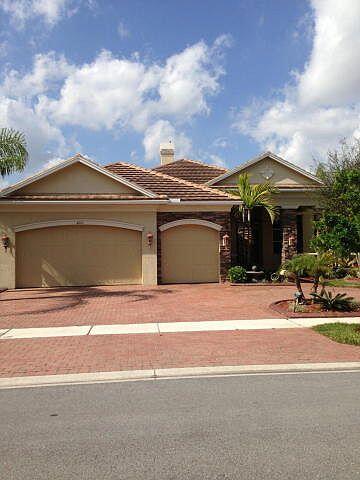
(79, 223)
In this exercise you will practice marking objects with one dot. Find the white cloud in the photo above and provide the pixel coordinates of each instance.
(220, 142)
(323, 104)
(163, 131)
(21, 11)
(155, 100)
(115, 93)
(218, 161)
(123, 30)
(47, 72)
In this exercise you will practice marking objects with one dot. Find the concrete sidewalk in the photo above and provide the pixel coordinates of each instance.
(169, 327)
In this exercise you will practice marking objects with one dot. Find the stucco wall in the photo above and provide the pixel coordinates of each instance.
(77, 178)
(11, 216)
(281, 175)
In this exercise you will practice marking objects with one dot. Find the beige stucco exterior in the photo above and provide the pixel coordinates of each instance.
(15, 215)
(77, 178)
(190, 254)
(12, 216)
(280, 175)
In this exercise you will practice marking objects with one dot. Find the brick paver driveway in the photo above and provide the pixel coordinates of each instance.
(137, 304)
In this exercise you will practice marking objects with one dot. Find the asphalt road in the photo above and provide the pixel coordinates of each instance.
(249, 427)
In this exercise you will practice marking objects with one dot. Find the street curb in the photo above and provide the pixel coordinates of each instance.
(172, 373)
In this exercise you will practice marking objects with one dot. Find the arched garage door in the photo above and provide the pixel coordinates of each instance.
(74, 255)
(190, 254)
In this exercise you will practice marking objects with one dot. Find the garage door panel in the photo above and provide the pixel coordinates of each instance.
(78, 255)
(190, 254)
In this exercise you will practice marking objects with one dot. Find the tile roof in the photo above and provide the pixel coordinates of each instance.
(81, 196)
(191, 170)
(162, 184)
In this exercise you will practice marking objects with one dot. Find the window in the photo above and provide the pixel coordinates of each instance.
(277, 237)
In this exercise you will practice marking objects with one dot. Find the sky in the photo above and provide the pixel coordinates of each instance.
(224, 80)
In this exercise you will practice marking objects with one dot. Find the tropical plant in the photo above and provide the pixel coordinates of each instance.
(320, 267)
(252, 196)
(297, 267)
(339, 302)
(13, 152)
(237, 274)
(317, 266)
(257, 195)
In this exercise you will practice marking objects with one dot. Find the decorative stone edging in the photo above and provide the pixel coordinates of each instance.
(319, 314)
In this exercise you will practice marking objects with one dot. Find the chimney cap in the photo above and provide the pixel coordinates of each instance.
(167, 146)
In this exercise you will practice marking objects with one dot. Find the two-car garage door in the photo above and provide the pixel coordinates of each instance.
(78, 255)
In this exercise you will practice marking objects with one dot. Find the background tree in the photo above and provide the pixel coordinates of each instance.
(338, 229)
(13, 151)
(252, 196)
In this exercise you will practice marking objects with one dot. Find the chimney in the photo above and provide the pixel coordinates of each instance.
(167, 153)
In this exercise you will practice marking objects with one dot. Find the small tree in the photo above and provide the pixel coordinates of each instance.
(297, 267)
(13, 152)
(318, 266)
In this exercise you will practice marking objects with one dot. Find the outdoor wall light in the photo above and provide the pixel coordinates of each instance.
(225, 240)
(150, 239)
(5, 240)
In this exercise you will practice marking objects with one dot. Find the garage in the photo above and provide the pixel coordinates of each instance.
(77, 255)
(189, 253)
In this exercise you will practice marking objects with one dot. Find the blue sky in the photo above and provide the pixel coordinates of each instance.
(224, 80)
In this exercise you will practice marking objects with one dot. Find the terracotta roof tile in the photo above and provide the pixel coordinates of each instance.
(162, 184)
(191, 170)
(82, 196)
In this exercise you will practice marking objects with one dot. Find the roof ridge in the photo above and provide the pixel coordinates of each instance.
(198, 162)
(169, 177)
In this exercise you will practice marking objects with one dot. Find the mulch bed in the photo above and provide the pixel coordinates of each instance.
(285, 307)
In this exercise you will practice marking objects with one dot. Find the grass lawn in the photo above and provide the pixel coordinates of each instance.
(341, 282)
(341, 332)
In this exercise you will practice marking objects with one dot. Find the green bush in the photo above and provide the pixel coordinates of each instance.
(237, 274)
(340, 302)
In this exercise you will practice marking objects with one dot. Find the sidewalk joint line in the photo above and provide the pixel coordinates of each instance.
(6, 331)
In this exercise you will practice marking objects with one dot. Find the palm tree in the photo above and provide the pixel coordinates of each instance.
(257, 195)
(13, 152)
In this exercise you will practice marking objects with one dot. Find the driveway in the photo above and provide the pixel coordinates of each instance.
(136, 304)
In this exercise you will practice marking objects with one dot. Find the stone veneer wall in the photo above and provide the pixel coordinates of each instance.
(221, 218)
(289, 235)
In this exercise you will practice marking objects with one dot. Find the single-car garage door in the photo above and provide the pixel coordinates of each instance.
(75, 255)
(190, 254)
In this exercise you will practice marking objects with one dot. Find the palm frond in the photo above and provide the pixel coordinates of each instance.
(258, 195)
(13, 151)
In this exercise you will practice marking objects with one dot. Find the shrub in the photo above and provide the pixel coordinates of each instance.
(340, 302)
(237, 274)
